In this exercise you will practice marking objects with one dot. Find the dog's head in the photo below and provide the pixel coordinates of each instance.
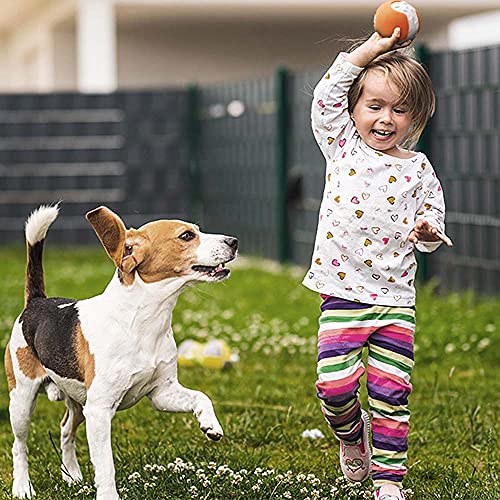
(163, 249)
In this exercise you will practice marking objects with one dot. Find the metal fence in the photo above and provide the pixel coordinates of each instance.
(238, 163)
(240, 158)
(127, 150)
(465, 147)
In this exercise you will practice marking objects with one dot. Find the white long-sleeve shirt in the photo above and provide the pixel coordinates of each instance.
(370, 204)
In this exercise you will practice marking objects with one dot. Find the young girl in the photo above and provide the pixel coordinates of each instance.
(380, 202)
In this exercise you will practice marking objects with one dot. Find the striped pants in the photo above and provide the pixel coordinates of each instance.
(345, 327)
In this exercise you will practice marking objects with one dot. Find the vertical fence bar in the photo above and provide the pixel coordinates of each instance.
(193, 131)
(282, 124)
(422, 55)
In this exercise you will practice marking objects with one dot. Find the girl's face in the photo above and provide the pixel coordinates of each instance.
(380, 121)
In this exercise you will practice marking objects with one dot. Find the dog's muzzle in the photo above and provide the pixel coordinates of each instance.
(219, 272)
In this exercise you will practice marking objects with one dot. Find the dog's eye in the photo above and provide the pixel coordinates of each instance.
(187, 236)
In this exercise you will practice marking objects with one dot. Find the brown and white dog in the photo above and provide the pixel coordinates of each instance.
(107, 352)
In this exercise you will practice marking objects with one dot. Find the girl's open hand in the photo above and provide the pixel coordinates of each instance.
(423, 231)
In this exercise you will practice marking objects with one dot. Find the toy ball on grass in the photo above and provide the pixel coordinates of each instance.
(215, 354)
(393, 14)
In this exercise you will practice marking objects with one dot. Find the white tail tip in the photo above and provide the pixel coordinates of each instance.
(39, 221)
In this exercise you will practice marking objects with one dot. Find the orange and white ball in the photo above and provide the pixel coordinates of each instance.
(393, 14)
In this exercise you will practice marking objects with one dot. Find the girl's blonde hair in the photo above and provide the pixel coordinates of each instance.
(413, 84)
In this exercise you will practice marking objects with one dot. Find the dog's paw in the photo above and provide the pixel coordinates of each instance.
(22, 489)
(213, 432)
(205, 415)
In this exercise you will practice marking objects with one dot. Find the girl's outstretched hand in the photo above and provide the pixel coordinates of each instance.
(423, 231)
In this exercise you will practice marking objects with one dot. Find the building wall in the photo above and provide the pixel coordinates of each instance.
(31, 48)
(40, 53)
(4, 62)
(475, 31)
(65, 62)
(181, 54)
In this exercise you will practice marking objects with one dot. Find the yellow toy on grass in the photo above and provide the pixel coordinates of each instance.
(215, 354)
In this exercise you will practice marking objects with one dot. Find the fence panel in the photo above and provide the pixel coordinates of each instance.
(156, 154)
(465, 149)
(307, 165)
(127, 150)
(238, 163)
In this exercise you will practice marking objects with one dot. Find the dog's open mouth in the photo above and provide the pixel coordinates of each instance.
(217, 272)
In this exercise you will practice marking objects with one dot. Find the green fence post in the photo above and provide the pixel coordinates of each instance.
(193, 144)
(282, 124)
(422, 55)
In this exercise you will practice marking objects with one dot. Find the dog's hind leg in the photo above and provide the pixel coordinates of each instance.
(21, 406)
(72, 419)
(173, 397)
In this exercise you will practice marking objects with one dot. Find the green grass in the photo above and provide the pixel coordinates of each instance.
(267, 399)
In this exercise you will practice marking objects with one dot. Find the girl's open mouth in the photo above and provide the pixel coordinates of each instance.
(382, 135)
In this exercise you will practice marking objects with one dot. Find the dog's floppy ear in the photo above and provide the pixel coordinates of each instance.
(111, 231)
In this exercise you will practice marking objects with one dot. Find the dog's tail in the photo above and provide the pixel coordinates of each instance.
(36, 229)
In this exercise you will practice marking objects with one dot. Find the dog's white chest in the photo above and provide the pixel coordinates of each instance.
(141, 374)
(141, 384)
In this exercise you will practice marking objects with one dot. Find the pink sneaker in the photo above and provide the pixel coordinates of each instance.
(389, 492)
(355, 459)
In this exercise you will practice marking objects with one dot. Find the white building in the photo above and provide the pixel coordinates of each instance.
(102, 45)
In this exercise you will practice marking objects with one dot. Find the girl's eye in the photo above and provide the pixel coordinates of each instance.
(400, 111)
(187, 236)
(374, 107)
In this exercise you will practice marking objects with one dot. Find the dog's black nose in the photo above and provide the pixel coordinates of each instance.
(232, 242)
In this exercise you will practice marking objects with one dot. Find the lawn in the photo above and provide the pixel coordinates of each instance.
(267, 399)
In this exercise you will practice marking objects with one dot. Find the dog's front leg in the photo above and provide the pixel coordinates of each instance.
(98, 424)
(172, 397)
